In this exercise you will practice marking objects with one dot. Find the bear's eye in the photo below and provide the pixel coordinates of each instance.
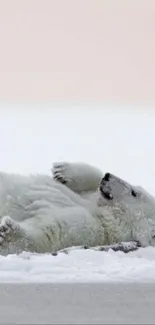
(133, 193)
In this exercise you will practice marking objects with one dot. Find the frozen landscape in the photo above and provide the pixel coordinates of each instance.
(77, 85)
(119, 141)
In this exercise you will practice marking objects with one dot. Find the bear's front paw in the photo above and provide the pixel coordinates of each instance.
(60, 172)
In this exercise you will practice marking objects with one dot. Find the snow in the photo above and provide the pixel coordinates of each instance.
(79, 266)
(120, 141)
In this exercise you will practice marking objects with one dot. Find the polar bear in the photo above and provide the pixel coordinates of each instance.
(77, 206)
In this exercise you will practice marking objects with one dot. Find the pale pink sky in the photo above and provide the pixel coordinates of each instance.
(78, 50)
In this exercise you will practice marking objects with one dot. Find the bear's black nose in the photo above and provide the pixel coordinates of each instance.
(106, 177)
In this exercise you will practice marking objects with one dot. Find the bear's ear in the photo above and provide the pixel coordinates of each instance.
(142, 191)
(140, 188)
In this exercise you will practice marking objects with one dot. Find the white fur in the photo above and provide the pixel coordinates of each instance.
(41, 214)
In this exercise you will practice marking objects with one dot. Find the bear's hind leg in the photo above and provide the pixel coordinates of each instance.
(13, 239)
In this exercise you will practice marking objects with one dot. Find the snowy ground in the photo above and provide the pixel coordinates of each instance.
(80, 266)
(117, 141)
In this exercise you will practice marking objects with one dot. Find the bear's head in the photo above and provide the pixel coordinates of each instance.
(133, 204)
